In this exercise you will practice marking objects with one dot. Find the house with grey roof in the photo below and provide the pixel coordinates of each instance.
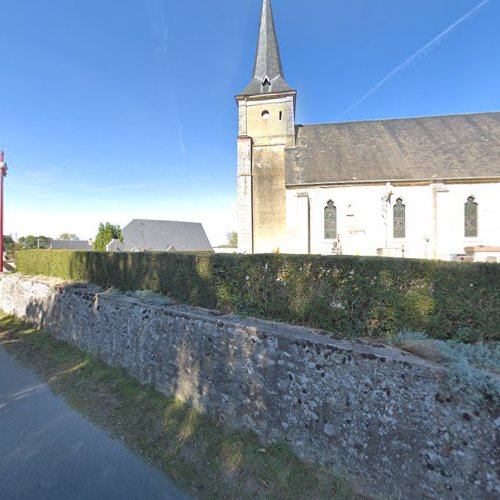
(79, 245)
(143, 235)
(425, 187)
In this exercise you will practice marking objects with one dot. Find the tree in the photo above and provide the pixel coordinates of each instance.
(107, 232)
(10, 246)
(232, 239)
(35, 242)
(7, 240)
(68, 236)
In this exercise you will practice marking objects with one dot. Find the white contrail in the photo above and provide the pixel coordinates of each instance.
(403, 65)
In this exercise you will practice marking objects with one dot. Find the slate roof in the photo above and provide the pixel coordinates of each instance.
(80, 245)
(268, 67)
(159, 235)
(429, 148)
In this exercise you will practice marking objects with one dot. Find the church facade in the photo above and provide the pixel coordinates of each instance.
(418, 187)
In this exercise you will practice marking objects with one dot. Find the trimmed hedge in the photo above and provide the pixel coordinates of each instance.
(351, 296)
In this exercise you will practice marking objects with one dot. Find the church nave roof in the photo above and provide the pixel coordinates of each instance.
(428, 148)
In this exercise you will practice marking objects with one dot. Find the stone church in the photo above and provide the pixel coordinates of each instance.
(416, 187)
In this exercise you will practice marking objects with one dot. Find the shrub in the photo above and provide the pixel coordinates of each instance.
(352, 296)
(474, 368)
(107, 232)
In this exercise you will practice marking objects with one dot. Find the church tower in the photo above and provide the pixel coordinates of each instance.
(266, 129)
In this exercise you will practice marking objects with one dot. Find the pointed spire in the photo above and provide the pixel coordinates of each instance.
(268, 71)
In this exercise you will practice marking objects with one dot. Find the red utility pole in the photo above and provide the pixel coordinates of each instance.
(3, 173)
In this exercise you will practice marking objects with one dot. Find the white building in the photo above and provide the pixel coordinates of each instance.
(419, 187)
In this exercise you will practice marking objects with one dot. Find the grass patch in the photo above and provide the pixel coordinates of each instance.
(205, 458)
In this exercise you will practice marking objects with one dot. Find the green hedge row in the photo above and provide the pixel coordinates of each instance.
(351, 296)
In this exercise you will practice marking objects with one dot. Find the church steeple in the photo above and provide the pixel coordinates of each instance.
(268, 76)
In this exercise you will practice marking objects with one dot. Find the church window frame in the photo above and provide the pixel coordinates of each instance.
(330, 221)
(399, 219)
(471, 219)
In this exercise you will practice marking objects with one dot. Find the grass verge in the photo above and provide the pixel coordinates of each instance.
(205, 458)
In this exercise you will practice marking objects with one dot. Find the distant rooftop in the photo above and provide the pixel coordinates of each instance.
(80, 245)
(161, 236)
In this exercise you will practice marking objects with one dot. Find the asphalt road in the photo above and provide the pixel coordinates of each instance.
(50, 452)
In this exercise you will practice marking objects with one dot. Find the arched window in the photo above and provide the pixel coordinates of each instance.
(330, 221)
(399, 219)
(470, 218)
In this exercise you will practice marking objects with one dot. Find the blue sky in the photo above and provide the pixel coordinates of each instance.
(113, 110)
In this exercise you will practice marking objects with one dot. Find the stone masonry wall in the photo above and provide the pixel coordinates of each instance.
(383, 418)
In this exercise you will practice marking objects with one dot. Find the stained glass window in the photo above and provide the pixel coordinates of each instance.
(471, 218)
(399, 219)
(330, 221)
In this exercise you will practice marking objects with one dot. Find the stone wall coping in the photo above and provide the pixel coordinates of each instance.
(260, 328)
(253, 326)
